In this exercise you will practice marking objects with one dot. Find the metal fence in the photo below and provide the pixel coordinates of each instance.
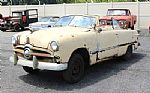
(140, 9)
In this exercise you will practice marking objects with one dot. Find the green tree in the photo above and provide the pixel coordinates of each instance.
(48, 1)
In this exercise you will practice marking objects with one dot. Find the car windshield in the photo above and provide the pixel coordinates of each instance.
(77, 21)
(116, 12)
(44, 19)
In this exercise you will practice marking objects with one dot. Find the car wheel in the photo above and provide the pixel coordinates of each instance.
(30, 70)
(128, 53)
(18, 27)
(75, 70)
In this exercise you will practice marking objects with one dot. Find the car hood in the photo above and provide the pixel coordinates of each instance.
(115, 17)
(42, 38)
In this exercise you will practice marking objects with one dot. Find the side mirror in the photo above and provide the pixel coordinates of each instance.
(95, 28)
(99, 30)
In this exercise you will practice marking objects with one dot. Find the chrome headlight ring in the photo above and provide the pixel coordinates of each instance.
(122, 22)
(103, 22)
(54, 45)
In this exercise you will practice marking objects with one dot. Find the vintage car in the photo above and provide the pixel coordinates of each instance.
(123, 16)
(44, 22)
(19, 20)
(72, 45)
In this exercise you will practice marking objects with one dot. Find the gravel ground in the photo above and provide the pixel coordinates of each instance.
(113, 76)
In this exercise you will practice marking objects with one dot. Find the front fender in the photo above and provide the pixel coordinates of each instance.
(69, 44)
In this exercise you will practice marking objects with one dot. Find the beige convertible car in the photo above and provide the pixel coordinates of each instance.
(75, 43)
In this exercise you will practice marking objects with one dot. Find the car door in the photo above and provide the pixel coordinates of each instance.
(125, 38)
(107, 41)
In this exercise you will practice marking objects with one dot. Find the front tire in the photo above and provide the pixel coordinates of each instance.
(75, 70)
(30, 70)
(128, 53)
(18, 27)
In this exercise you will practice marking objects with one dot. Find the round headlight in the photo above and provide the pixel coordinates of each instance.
(14, 40)
(121, 22)
(54, 45)
(103, 22)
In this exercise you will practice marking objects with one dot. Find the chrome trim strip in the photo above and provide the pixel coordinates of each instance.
(109, 48)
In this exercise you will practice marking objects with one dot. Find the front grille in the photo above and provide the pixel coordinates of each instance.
(109, 22)
(42, 54)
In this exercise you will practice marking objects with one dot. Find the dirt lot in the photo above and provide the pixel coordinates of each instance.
(113, 76)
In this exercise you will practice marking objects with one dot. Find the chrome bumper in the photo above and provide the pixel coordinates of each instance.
(37, 65)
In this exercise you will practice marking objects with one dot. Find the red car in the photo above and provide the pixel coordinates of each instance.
(19, 20)
(123, 16)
